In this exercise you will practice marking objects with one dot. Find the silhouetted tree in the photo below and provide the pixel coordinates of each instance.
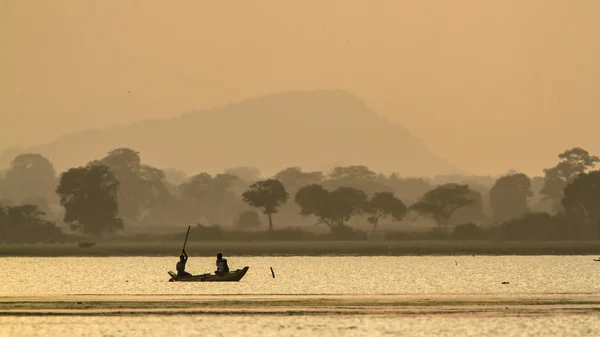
(266, 194)
(442, 201)
(474, 212)
(508, 196)
(573, 162)
(384, 205)
(581, 202)
(25, 223)
(141, 186)
(89, 196)
(211, 197)
(331, 208)
(31, 178)
(247, 219)
(293, 178)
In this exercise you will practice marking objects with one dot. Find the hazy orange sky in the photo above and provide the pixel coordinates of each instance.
(490, 85)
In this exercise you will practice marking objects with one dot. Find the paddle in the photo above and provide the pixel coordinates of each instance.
(186, 236)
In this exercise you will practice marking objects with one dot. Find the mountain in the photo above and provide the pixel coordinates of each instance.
(313, 129)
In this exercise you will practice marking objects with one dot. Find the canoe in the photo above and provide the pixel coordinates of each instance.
(232, 276)
(596, 259)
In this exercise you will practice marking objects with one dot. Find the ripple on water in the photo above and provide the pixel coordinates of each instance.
(37, 276)
(300, 326)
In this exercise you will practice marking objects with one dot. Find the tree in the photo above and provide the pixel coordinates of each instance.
(30, 178)
(266, 194)
(442, 201)
(407, 189)
(358, 177)
(141, 186)
(473, 212)
(508, 196)
(89, 196)
(573, 163)
(293, 178)
(352, 173)
(331, 208)
(581, 203)
(247, 219)
(384, 205)
(211, 197)
(174, 176)
(26, 223)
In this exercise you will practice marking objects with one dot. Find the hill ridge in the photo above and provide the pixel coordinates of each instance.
(311, 129)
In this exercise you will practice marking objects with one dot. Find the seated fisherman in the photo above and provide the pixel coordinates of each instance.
(222, 267)
(181, 265)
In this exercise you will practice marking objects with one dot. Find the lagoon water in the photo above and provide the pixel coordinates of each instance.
(353, 278)
(31, 276)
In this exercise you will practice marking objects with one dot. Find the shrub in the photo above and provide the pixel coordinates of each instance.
(468, 231)
(345, 232)
(533, 226)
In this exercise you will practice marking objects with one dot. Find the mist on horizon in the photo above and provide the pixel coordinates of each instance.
(488, 86)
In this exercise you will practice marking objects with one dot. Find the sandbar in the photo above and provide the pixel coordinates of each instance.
(416, 304)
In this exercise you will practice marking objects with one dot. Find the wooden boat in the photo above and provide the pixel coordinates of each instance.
(232, 276)
(598, 259)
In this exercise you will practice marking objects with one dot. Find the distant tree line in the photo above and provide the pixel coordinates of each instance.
(108, 196)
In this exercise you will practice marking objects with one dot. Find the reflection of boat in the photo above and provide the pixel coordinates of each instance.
(232, 276)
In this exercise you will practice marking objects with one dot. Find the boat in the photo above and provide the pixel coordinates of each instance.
(232, 276)
(598, 259)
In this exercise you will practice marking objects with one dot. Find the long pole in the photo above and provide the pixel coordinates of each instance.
(186, 236)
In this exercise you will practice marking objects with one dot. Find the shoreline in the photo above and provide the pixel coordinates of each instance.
(97, 305)
(304, 248)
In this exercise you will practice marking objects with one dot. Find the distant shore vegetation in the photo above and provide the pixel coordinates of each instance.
(118, 197)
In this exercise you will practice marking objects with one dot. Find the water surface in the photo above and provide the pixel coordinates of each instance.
(305, 275)
(351, 279)
(309, 326)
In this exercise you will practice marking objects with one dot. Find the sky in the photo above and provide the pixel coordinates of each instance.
(489, 85)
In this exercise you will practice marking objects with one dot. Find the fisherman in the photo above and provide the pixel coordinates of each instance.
(222, 267)
(181, 264)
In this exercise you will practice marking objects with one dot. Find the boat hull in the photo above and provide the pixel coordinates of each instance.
(232, 276)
